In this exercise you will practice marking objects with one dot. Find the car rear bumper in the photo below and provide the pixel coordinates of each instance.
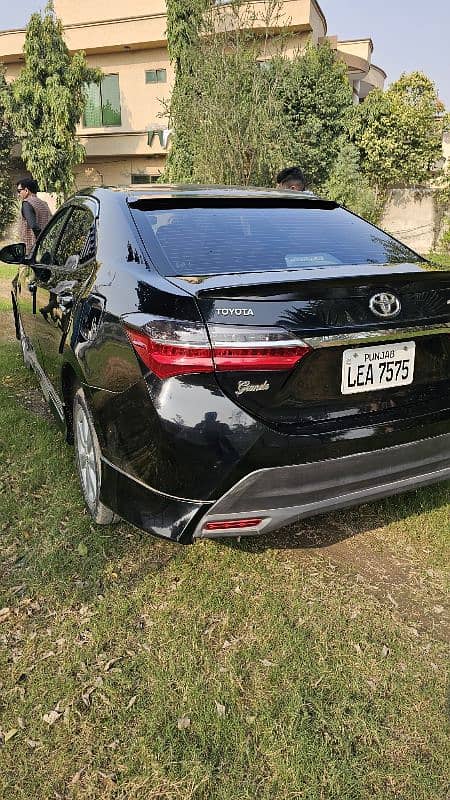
(281, 495)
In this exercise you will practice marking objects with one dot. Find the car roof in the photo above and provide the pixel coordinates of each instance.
(167, 191)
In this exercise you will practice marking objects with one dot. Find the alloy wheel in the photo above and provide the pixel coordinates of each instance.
(86, 457)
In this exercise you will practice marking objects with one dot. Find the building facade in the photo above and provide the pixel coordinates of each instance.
(125, 127)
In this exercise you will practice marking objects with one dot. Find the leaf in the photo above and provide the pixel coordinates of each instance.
(220, 709)
(438, 609)
(110, 663)
(132, 702)
(76, 778)
(52, 717)
(88, 690)
(267, 663)
(183, 723)
(32, 743)
(391, 600)
(385, 651)
(4, 614)
(82, 549)
(9, 735)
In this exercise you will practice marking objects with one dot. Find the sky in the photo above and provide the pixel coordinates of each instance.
(407, 34)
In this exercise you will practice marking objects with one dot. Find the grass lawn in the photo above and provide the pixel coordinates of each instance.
(309, 664)
(440, 259)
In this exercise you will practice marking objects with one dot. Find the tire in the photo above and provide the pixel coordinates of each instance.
(87, 459)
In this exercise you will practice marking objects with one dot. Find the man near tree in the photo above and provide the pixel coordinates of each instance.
(34, 213)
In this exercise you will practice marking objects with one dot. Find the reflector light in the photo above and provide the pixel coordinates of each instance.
(173, 347)
(226, 524)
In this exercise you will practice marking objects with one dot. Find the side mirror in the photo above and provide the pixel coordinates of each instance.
(72, 263)
(13, 253)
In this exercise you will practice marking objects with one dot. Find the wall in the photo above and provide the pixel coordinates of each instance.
(115, 171)
(76, 12)
(413, 217)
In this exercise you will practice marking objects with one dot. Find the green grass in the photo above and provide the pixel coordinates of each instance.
(268, 669)
(7, 273)
(440, 259)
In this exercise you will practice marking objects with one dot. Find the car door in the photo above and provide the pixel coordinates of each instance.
(72, 264)
(31, 275)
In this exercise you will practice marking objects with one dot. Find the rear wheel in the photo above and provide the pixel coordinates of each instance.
(87, 458)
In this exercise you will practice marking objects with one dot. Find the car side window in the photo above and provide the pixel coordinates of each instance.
(48, 241)
(74, 237)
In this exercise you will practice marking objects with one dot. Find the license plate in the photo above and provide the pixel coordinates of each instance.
(368, 369)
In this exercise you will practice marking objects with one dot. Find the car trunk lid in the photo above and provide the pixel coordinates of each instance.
(331, 315)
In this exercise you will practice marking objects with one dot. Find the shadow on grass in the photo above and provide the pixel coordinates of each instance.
(50, 545)
(325, 530)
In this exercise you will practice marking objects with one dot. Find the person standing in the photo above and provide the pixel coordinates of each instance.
(34, 213)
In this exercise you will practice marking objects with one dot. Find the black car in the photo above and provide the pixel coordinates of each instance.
(228, 360)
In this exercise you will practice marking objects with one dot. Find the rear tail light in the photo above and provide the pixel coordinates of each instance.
(172, 347)
(239, 347)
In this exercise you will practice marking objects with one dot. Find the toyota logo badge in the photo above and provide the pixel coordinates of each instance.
(385, 305)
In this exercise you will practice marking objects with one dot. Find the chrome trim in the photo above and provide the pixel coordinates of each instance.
(156, 491)
(47, 388)
(390, 334)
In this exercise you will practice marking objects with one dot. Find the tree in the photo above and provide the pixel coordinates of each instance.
(46, 101)
(226, 108)
(7, 196)
(318, 106)
(184, 24)
(399, 133)
(240, 108)
(349, 186)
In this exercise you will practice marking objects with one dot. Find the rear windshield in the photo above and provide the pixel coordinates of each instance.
(208, 241)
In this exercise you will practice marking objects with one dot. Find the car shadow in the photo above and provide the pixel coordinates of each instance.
(325, 530)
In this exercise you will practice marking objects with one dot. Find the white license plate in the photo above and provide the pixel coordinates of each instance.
(383, 366)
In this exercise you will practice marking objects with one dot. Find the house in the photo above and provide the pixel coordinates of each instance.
(124, 129)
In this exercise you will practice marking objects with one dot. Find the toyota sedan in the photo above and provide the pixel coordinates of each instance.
(227, 361)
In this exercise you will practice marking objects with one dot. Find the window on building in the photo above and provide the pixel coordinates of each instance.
(156, 76)
(103, 103)
(136, 178)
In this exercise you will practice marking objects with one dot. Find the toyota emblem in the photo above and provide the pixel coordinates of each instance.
(385, 305)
